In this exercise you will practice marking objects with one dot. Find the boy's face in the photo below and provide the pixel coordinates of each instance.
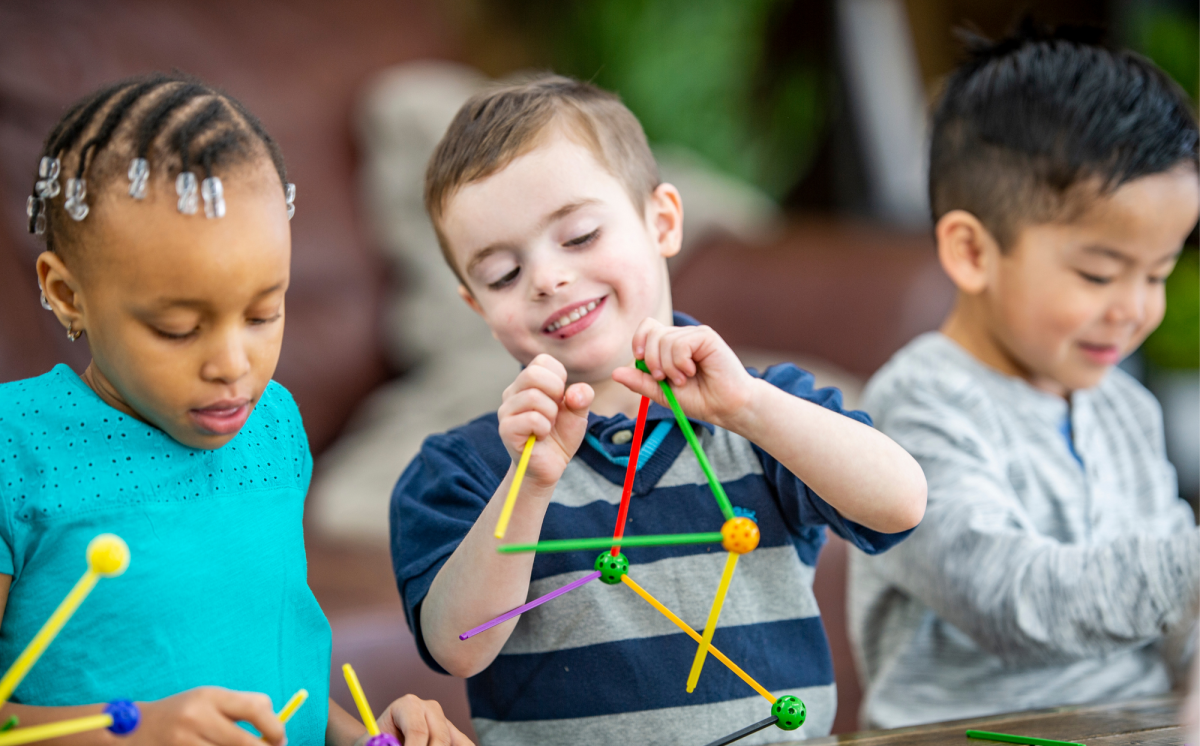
(557, 260)
(1069, 301)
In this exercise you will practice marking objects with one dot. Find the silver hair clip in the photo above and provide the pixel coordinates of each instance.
(289, 195)
(75, 205)
(214, 197)
(185, 187)
(35, 208)
(47, 184)
(139, 171)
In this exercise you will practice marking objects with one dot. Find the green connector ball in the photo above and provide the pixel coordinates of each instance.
(790, 711)
(611, 568)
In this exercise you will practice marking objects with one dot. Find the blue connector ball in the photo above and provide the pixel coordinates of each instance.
(125, 716)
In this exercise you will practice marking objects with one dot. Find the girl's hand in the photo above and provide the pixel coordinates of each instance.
(540, 403)
(420, 722)
(207, 716)
(709, 381)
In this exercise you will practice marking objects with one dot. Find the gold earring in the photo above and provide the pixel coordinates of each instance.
(71, 333)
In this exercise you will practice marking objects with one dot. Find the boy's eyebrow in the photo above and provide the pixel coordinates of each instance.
(1112, 253)
(558, 214)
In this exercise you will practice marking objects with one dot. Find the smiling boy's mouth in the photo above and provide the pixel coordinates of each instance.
(567, 321)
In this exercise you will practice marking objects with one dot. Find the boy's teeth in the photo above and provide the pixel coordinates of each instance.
(573, 316)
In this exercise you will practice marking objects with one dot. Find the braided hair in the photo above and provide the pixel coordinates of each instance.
(164, 125)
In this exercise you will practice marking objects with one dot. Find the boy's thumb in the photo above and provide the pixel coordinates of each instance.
(578, 398)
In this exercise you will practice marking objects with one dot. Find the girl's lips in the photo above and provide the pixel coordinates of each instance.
(221, 418)
(571, 328)
(1101, 354)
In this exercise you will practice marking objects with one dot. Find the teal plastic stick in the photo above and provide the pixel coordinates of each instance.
(1008, 738)
(690, 434)
(570, 545)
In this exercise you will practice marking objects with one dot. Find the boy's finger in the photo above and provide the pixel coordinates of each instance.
(666, 359)
(529, 400)
(542, 379)
(682, 351)
(520, 426)
(641, 333)
(578, 398)
(457, 737)
(639, 383)
(549, 363)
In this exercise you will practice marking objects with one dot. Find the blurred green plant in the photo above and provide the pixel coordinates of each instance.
(697, 73)
(1176, 342)
(1170, 36)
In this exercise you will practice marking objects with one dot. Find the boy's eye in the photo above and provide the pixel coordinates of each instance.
(507, 279)
(1095, 279)
(584, 239)
(266, 319)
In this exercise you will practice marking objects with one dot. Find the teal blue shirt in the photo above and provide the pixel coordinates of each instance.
(216, 593)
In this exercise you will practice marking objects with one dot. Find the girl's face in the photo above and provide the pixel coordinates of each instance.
(183, 314)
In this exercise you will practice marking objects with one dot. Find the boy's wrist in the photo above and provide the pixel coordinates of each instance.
(744, 420)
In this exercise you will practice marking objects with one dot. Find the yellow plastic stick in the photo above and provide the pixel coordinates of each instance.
(292, 705)
(62, 728)
(511, 499)
(711, 625)
(108, 556)
(679, 623)
(360, 699)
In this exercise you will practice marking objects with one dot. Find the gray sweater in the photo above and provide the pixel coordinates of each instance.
(1039, 576)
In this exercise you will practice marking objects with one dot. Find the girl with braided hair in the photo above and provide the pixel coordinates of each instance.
(164, 206)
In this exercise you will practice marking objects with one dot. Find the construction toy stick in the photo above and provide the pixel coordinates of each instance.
(1007, 738)
(692, 633)
(710, 626)
(511, 499)
(360, 700)
(522, 609)
(768, 722)
(62, 728)
(571, 545)
(107, 556)
(690, 434)
(292, 705)
(635, 447)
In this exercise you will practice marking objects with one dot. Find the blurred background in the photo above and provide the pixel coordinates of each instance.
(795, 130)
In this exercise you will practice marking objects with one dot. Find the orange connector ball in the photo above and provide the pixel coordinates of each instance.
(739, 535)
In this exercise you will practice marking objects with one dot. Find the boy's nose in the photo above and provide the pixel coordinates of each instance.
(548, 281)
(1130, 304)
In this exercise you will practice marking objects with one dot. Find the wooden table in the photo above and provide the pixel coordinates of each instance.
(1143, 722)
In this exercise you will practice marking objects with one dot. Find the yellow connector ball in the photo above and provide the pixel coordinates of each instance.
(108, 555)
(739, 535)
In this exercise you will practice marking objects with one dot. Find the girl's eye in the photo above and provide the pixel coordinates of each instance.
(267, 320)
(173, 335)
(1095, 279)
(506, 280)
(584, 239)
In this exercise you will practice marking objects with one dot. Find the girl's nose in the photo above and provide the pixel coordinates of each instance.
(228, 362)
(1129, 306)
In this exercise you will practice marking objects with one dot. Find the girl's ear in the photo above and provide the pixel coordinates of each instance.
(61, 290)
(664, 216)
(966, 250)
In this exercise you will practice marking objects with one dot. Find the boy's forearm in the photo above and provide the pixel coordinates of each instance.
(477, 583)
(858, 470)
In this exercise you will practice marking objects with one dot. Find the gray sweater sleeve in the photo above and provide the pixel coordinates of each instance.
(979, 562)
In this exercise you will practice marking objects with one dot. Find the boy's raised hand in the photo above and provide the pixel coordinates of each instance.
(420, 722)
(540, 403)
(709, 381)
(207, 716)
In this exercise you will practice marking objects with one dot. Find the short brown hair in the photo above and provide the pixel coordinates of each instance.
(504, 122)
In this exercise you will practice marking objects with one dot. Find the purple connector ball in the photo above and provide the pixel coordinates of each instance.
(383, 739)
(125, 716)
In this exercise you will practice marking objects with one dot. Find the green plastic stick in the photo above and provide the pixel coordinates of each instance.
(713, 483)
(1007, 738)
(570, 545)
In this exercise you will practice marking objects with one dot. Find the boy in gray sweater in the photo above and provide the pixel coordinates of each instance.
(1055, 555)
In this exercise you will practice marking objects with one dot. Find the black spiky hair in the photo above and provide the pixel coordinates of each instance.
(1025, 121)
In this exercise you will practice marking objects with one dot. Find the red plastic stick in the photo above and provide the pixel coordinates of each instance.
(630, 472)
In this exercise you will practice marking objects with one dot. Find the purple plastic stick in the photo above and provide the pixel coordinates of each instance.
(535, 602)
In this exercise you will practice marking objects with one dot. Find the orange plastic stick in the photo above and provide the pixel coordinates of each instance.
(680, 624)
(711, 625)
